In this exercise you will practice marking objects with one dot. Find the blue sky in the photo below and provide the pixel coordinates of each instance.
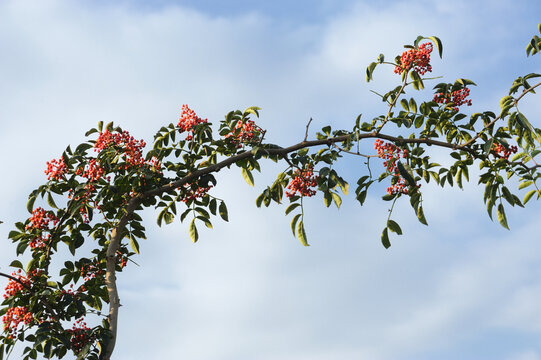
(462, 288)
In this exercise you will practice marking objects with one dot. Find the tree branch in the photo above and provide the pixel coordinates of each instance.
(110, 275)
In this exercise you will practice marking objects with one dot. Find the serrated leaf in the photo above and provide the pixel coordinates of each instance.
(294, 223)
(500, 213)
(385, 238)
(193, 231)
(394, 227)
(301, 234)
(222, 210)
(248, 177)
(528, 196)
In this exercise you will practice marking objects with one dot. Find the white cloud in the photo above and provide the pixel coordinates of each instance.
(248, 289)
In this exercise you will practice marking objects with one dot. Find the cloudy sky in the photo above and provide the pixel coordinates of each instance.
(462, 288)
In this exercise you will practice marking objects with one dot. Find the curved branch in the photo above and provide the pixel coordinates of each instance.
(118, 231)
(110, 275)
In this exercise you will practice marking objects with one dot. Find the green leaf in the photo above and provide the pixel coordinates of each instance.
(327, 198)
(421, 215)
(337, 199)
(405, 104)
(406, 172)
(292, 207)
(413, 106)
(193, 231)
(30, 203)
(508, 196)
(301, 234)
(206, 221)
(437, 42)
(259, 200)
(394, 227)
(50, 201)
(17, 264)
(30, 265)
(528, 196)
(168, 217)
(385, 238)
(134, 245)
(252, 110)
(248, 177)
(160, 217)
(505, 101)
(488, 145)
(524, 123)
(212, 206)
(344, 186)
(294, 223)
(84, 351)
(369, 71)
(500, 212)
(222, 210)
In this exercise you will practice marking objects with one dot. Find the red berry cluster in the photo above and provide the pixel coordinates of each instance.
(15, 316)
(416, 59)
(249, 132)
(90, 271)
(193, 192)
(13, 286)
(458, 98)
(56, 169)
(93, 171)
(80, 335)
(188, 119)
(302, 182)
(391, 153)
(122, 261)
(503, 152)
(40, 219)
(39, 242)
(130, 147)
(70, 291)
(154, 165)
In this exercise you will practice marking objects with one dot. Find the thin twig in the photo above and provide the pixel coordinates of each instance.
(307, 126)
